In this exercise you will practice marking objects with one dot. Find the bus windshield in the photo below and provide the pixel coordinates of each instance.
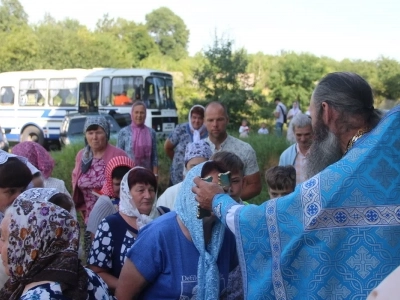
(158, 93)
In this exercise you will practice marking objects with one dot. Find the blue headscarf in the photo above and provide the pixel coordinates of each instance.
(207, 270)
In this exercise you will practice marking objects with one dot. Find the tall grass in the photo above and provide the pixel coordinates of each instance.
(267, 147)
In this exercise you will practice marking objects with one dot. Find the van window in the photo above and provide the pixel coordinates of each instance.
(7, 95)
(32, 92)
(63, 92)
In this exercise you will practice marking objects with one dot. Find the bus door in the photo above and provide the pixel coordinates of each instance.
(89, 97)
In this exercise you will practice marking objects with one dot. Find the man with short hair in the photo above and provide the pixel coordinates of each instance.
(295, 155)
(279, 113)
(338, 234)
(216, 120)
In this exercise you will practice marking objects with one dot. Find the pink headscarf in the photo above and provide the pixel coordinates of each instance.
(118, 161)
(36, 155)
(141, 143)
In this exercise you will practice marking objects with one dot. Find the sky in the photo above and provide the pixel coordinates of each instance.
(354, 29)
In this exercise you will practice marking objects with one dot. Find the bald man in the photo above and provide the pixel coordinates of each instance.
(216, 120)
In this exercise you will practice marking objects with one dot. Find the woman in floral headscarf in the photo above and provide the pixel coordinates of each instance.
(117, 232)
(39, 243)
(90, 163)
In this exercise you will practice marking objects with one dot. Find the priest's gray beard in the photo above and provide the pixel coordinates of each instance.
(324, 151)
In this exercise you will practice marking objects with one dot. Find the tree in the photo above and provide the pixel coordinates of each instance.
(69, 44)
(137, 40)
(223, 78)
(12, 15)
(169, 32)
(296, 76)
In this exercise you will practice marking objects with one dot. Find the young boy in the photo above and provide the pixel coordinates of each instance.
(281, 181)
(234, 164)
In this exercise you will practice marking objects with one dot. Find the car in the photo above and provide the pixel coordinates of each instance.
(71, 130)
(3, 140)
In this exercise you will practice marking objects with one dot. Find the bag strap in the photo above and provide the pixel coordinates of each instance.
(283, 112)
(162, 210)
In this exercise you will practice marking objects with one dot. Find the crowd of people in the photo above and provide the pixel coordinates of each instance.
(329, 230)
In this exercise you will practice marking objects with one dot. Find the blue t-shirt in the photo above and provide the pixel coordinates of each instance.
(168, 260)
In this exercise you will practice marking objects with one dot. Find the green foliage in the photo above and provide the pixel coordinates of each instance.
(12, 15)
(222, 77)
(134, 36)
(389, 75)
(246, 83)
(295, 77)
(169, 32)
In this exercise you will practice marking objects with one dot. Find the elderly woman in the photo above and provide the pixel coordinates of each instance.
(39, 243)
(183, 134)
(117, 232)
(90, 163)
(184, 257)
(38, 156)
(138, 140)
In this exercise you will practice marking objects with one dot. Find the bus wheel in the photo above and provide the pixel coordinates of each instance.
(33, 134)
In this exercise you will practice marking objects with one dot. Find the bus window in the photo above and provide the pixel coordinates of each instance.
(106, 91)
(88, 96)
(149, 97)
(62, 92)
(126, 90)
(158, 93)
(169, 95)
(7, 95)
(32, 92)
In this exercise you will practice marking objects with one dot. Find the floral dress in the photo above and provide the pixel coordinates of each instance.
(93, 179)
(97, 290)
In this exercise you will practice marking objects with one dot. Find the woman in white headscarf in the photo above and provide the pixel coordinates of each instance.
(183, 134)
(117, 233)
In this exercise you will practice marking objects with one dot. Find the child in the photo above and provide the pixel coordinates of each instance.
(62, 200)
(107, 203)
(231, 162)
(244, 130)
(281, 181)
(263, 129)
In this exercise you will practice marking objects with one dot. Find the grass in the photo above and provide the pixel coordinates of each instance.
(268, 149)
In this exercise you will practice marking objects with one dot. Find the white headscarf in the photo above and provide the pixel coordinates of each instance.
(127, 205)
(196, 132)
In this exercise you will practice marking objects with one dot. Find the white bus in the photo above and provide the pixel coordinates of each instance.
(34, 103)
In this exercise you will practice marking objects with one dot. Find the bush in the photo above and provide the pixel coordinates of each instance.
(268, 149)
